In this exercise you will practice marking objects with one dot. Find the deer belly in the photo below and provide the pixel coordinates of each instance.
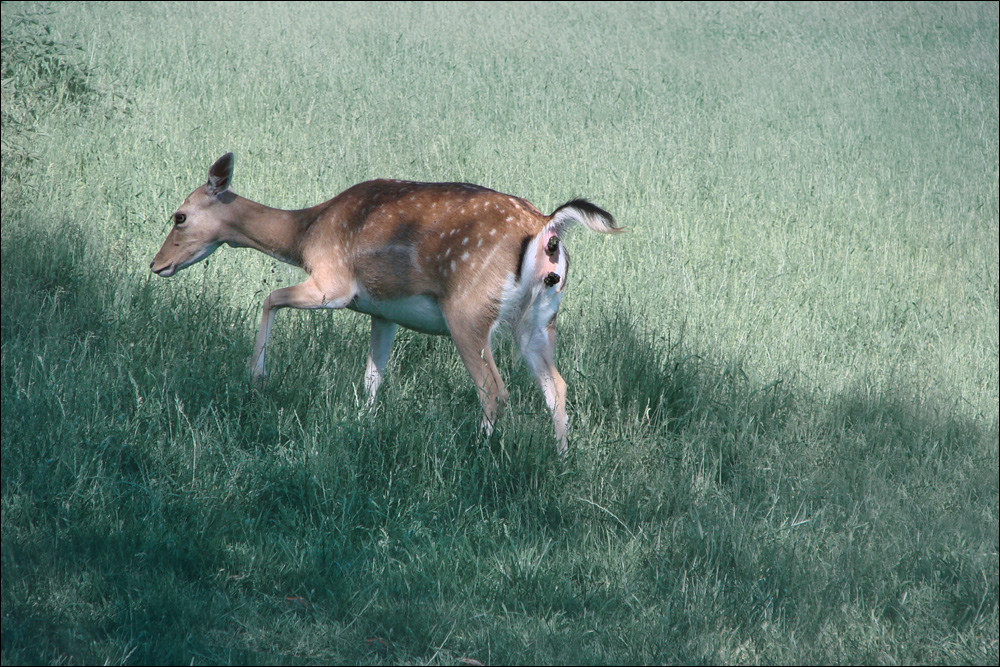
(420, 313)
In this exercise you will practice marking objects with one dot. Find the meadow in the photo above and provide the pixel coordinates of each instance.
(783, 379)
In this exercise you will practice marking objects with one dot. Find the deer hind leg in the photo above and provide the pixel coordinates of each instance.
(538, 345)
(310, 294)
(471, 335)
(383, 332)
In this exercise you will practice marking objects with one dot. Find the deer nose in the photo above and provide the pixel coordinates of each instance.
(163, 271)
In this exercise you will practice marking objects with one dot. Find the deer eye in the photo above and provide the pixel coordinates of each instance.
(179, 218)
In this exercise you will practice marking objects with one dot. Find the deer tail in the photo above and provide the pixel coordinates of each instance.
(580, 210)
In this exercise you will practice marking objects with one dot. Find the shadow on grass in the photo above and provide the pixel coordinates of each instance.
(154, 501)
(888, 486)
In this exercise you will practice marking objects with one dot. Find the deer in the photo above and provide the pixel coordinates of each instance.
(447, 259)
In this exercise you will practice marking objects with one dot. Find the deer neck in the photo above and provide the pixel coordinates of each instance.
(272, 231)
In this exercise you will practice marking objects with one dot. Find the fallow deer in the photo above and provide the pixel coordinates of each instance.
(439, 258)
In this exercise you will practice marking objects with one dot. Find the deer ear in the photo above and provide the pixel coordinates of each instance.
(220, 176)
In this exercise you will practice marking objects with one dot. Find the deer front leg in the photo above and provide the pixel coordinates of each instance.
(383, 332)
(305, 295)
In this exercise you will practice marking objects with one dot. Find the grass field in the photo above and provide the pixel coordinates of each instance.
(783, 381)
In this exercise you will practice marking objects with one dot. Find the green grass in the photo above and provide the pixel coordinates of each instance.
(783, 381)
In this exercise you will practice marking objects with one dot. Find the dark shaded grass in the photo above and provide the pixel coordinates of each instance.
(157, 508)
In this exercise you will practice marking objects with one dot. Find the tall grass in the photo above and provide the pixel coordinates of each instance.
(783, 380)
